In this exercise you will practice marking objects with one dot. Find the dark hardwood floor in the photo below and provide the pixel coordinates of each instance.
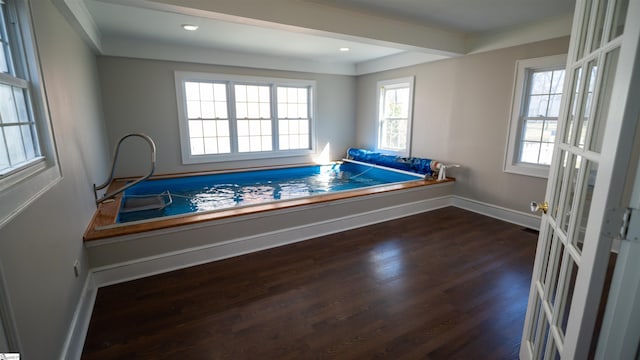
(448, 284)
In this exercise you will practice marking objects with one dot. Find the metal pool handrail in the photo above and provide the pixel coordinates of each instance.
(110, 195)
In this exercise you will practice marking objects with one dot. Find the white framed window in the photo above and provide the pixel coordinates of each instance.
(231, 117)
(395, 113)
(535, 108)
(294, 122)
(28, 162)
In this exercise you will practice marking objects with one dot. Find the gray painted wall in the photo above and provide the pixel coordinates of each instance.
(39, 246)
(139, 96)
(461, 115)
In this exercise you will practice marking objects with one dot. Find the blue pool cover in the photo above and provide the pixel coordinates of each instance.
(413, 164)
(219, 191)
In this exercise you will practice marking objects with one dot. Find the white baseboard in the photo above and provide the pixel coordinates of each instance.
(498, 212)
(140, 268)
(77, 333)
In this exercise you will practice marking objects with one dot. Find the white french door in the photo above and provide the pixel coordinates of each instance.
(586, 181)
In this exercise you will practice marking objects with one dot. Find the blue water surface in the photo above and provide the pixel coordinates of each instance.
(219, 191)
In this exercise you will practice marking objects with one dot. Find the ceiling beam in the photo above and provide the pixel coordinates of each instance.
(551, 28)
(77, 14)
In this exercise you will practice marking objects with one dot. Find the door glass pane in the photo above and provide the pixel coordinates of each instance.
(556, 354)
(562, 166)
(551, 266)
(549, 244)
(537, 319)
(541, 341)
(554, 275)
(585, 204)
(567, 296)
(552, 350)
(602, 107)
(619, 16)
(567, 204)
(599, 26)
(585, 113)
(584, 29)
(577, 76)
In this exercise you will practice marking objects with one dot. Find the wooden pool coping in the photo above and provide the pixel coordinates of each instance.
(104, 219)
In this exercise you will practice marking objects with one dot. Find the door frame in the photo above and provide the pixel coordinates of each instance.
(620, 332)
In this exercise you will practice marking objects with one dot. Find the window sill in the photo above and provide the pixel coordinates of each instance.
(21, 172)
(528, 170)
(20, 189)
(401, 153)
(200, 159)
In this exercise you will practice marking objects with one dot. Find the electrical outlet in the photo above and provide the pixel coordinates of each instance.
(76, 268)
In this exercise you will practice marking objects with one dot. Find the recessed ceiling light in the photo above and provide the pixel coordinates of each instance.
(190, 27)
(344, 49)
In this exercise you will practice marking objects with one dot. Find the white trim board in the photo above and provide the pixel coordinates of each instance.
(74, 342)
(497, 212)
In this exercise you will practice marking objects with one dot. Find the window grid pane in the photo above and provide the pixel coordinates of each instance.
(253, 101)
(539, 123)
(20, 140)
(207, 115)
(293, 121)
(253, 113)
(206, 135)
(394, 134)
(18, 136)
(17, 153)
(6, 61)
(254, 135)
(395, 103)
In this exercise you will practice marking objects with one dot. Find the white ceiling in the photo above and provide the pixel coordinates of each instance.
(303, 35)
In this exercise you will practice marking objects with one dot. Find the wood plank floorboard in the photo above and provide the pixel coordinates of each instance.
(447, 284)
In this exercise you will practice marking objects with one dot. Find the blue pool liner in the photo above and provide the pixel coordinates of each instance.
(411, 164)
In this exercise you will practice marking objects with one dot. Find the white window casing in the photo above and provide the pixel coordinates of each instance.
(395, 116)
(29, 164)
(516, 161)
